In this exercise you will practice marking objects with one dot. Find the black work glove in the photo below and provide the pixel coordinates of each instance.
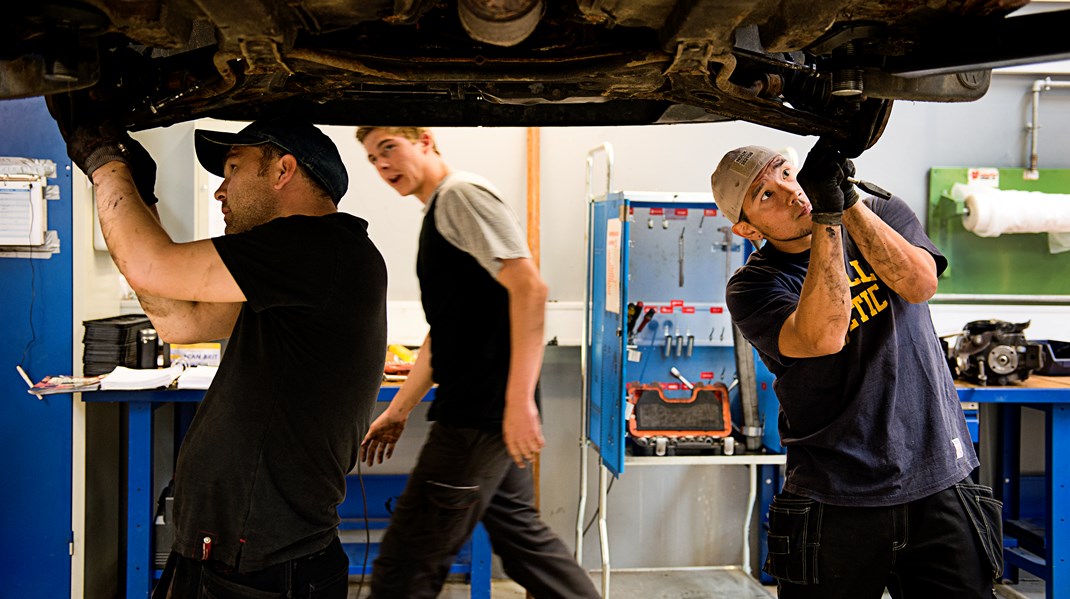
(850, 194)
(94, 139)
(822, 178)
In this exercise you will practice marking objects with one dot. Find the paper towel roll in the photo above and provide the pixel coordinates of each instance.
(992, 212)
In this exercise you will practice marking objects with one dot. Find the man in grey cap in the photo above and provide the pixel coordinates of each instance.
(878, 492)
(300, 290)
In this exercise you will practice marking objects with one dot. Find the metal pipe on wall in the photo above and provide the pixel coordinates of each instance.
(534, 215)
(1045, 84)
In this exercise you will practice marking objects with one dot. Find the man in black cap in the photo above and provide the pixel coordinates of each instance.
(300, 290)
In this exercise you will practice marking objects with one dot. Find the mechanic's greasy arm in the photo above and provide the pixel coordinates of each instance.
(384, 432)
(909, 270)
(185, 289)
(521, 428)
(818, 327)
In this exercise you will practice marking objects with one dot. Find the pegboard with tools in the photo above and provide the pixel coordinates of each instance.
(659, 264)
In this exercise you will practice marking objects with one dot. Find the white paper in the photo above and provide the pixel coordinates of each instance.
(613, 230)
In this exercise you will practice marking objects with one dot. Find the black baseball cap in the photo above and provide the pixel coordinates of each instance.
(310, 146)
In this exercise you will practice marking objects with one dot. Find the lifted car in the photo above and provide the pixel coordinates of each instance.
(811, 67)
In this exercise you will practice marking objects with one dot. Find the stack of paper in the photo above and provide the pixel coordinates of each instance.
(197, 377)
(126, 379)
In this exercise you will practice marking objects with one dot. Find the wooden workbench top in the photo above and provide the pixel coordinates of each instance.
(1033, 382)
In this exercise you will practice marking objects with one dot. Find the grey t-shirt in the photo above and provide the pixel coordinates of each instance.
(471, 216)
(879, 422)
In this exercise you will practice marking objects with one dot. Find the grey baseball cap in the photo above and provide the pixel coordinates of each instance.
(310, 146)
(734, 175)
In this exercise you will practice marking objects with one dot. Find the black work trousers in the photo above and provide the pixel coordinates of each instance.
(464, 476)
(947, 545)
(321, 575)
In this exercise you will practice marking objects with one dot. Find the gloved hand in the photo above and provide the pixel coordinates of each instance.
(822, 178)
(94, 139)
(850, 194)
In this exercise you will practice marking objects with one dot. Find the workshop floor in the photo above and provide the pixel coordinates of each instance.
(685, 585)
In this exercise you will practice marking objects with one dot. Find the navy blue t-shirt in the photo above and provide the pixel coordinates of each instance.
(878, 423)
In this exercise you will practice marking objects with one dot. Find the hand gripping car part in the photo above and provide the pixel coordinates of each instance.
(660, 425)
(994, 352)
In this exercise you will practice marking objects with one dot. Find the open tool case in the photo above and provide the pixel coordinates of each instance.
(696, 423)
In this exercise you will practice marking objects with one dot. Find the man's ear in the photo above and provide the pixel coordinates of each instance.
(747, 230)
(428, 141)
(287, 169)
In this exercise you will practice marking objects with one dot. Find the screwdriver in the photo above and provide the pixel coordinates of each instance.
(870, 188)
(646, 318)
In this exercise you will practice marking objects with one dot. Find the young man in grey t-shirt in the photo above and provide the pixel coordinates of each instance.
(472, 260)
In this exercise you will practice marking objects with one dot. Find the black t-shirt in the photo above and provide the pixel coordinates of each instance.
(468, 313)
(263, 465)
(878, 423)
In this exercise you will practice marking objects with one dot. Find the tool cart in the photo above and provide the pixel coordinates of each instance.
(661, 384)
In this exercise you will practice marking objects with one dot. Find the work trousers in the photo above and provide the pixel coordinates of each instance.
(321, 575)
(947, 545)
(464, 476)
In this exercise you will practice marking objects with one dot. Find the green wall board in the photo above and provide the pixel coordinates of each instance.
(1014, 263)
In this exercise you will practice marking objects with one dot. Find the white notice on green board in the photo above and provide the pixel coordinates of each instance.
(613, 229)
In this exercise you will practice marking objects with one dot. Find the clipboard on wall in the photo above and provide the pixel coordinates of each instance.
(23, 218)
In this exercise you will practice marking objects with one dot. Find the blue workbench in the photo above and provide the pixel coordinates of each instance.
(140, 502)
(1048, 556)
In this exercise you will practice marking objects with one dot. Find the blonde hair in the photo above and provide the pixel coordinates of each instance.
(409, 133)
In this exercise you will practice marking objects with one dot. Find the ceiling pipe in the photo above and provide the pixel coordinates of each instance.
(1040, 85)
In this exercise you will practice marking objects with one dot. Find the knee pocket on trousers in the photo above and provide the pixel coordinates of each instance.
(794, 527)
(985, 513)
(452, 504)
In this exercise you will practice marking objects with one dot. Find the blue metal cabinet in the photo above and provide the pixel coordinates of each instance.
(35, 435)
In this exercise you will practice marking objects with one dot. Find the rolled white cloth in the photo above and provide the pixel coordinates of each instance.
(992, 212)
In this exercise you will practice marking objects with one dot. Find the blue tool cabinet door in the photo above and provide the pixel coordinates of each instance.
(35, 435)
(607, 254)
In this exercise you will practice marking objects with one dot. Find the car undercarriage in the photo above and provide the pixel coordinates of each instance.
(830, 68)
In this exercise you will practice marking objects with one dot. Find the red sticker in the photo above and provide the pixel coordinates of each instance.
(706, 375)
(764, 387)
(657, 211)
(688, 309)
(680, 212)
(672, 387)
(665, 309)
(716, 310)
(675, 303)
(710, 212)
(631, 209)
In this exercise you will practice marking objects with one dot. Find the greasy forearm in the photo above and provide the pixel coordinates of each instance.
(131, 230)
(820, 322)
(416, 385)
(907, 269)
(135, 240)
